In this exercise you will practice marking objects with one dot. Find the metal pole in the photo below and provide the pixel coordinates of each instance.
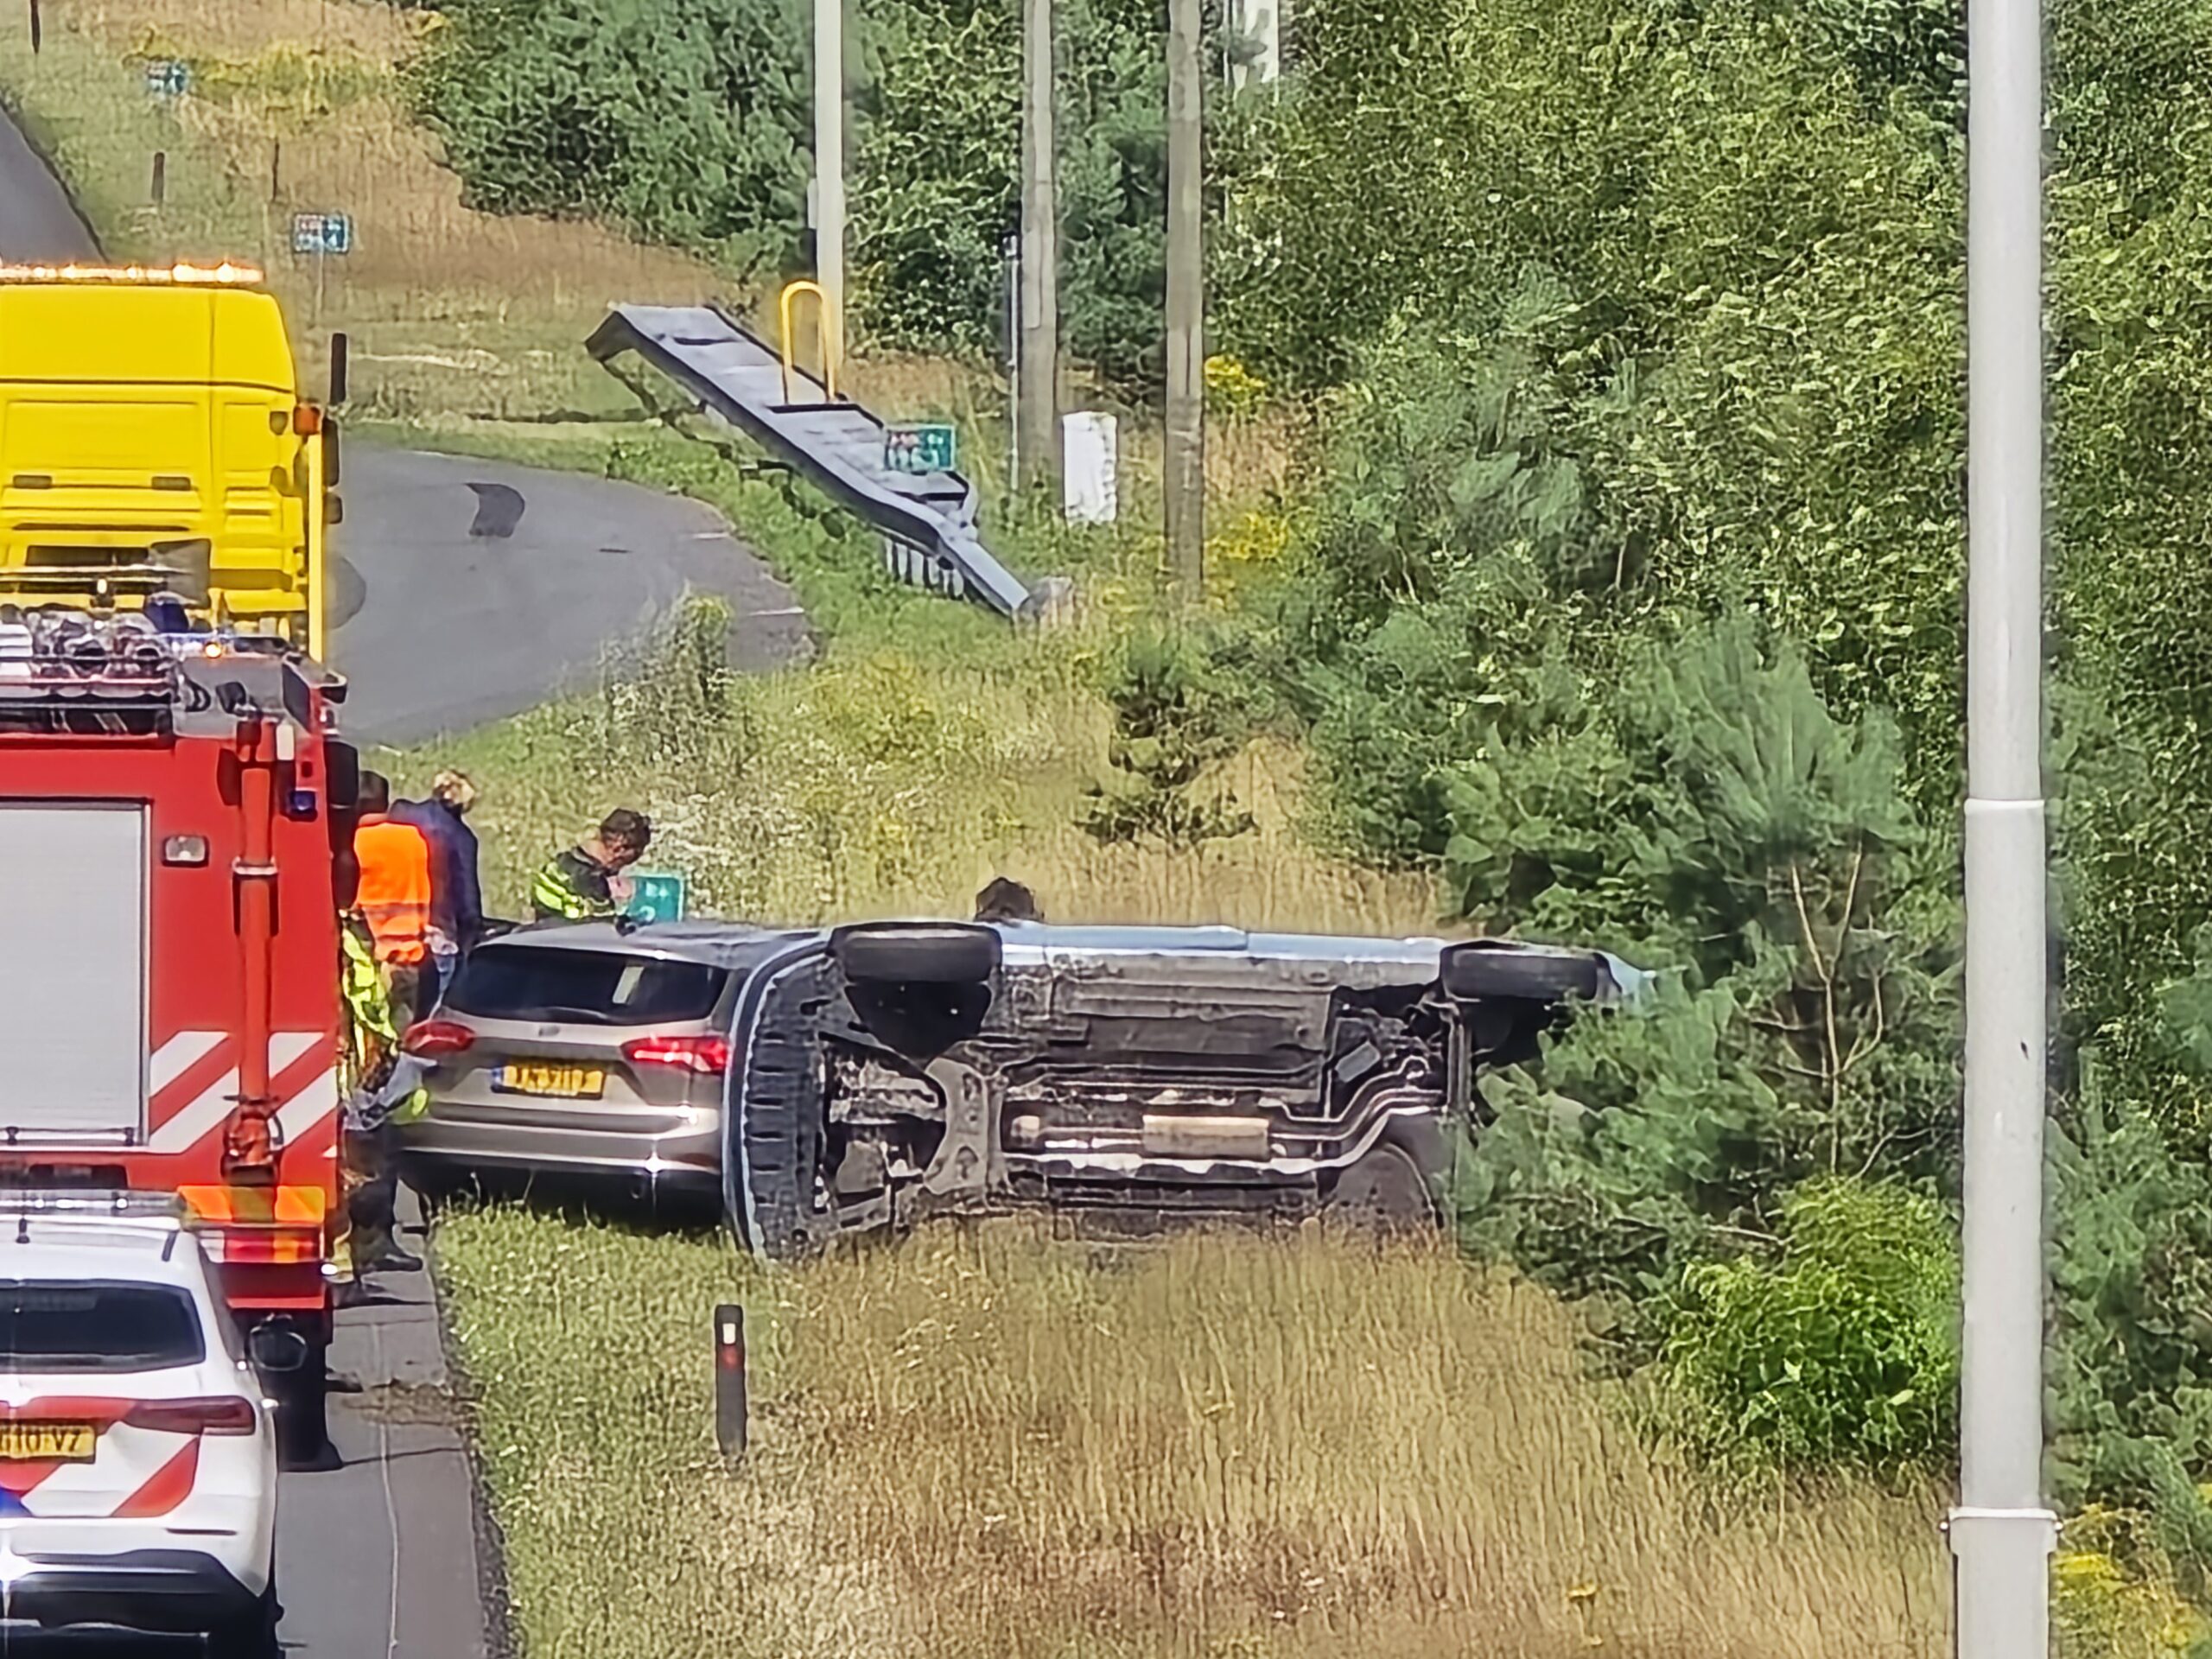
(2002, 1533)
(1185, 471)
(830, 180)
(1039, 409)
(1011, 260)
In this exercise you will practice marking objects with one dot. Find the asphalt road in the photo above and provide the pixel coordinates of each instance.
(468, 590)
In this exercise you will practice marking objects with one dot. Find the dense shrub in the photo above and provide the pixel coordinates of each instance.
(684, 119)
(1843, 1350)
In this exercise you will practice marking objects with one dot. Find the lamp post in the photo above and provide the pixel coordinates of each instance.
(2001, 1532)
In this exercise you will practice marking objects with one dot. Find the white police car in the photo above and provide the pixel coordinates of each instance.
(137, 1455)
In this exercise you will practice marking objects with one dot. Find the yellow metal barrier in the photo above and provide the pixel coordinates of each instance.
(791, 291)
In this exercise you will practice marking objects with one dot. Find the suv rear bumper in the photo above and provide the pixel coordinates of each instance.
(178, 1591)
(691, 1160)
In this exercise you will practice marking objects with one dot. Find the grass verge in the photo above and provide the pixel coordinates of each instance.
(986, 1442)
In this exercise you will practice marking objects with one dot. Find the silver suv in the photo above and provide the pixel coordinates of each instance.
(583, 1049)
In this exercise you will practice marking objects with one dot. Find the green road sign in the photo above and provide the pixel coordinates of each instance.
(933, 447)
(322, 233)
(655, 896)
(167, 78)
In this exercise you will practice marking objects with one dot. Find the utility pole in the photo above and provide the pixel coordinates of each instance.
(830, 180)
(2002, 1533)
(1186, 429)
(1038, 389)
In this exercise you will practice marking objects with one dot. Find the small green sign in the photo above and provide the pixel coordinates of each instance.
(655, 896)
(322, 233)
(167, 78)
(930, 447)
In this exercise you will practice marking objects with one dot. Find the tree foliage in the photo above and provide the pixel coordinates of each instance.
(691, 121)
(1633, 601)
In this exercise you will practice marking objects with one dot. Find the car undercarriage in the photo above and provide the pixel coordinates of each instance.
(1127, 1077)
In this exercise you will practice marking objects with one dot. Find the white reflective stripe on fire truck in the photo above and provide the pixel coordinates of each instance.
(184, 1130)
(178, 1056)
(309, 1107)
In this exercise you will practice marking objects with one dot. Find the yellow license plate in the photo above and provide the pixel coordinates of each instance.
(578, 1082)
(47, 1442)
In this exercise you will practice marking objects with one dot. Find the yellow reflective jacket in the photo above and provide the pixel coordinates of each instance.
(374, 1045)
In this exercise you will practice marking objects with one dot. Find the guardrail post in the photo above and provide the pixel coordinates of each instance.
(161, 182)
(730, 1412)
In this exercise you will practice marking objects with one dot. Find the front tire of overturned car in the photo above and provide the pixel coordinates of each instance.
(904, 954)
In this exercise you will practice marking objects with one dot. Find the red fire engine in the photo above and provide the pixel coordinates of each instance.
(176, 828)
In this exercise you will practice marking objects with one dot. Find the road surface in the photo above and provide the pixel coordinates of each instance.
(469, 590)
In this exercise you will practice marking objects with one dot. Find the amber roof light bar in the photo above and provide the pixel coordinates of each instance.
(226, 275)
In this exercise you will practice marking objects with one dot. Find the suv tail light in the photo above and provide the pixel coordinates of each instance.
(707, 1056)
(222, 1413)
(435, 1038)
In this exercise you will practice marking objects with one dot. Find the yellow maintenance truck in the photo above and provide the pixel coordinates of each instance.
(153, 439)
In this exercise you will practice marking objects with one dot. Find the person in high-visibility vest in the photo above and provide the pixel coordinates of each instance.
(380, 1092)
(585, 881)
(393, 895)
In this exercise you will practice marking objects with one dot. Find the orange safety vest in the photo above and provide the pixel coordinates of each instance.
(394, 895)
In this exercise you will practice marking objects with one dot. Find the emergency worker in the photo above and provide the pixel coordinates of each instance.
(380, 1092)
(393, 896)
(1007, 901)
(456, 894)
(585, 881)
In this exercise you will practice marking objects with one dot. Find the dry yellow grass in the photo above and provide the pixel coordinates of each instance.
(885, 781)
(986, 1442)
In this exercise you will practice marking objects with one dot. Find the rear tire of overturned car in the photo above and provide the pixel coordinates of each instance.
(1473, 972)
(1395, 1187)
(948, 954)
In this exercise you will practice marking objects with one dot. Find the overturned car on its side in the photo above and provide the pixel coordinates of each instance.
(886, 1073)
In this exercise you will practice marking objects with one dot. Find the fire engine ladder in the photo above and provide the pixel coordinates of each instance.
(928, 520)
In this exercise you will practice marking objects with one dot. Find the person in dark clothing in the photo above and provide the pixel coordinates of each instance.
(1007, 901)
(456, 894)
(586, 882)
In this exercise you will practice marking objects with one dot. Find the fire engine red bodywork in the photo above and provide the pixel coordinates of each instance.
(200, 952)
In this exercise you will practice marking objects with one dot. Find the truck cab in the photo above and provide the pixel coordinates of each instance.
(154, 438)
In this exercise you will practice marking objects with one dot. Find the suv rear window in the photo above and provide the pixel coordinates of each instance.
(596, 987)
(82, 1326)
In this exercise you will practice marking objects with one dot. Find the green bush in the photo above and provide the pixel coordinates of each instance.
(1842, 1351)
(682, 119)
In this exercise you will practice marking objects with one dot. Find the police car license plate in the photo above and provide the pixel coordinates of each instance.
(578, 1082)
(47, 1442)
